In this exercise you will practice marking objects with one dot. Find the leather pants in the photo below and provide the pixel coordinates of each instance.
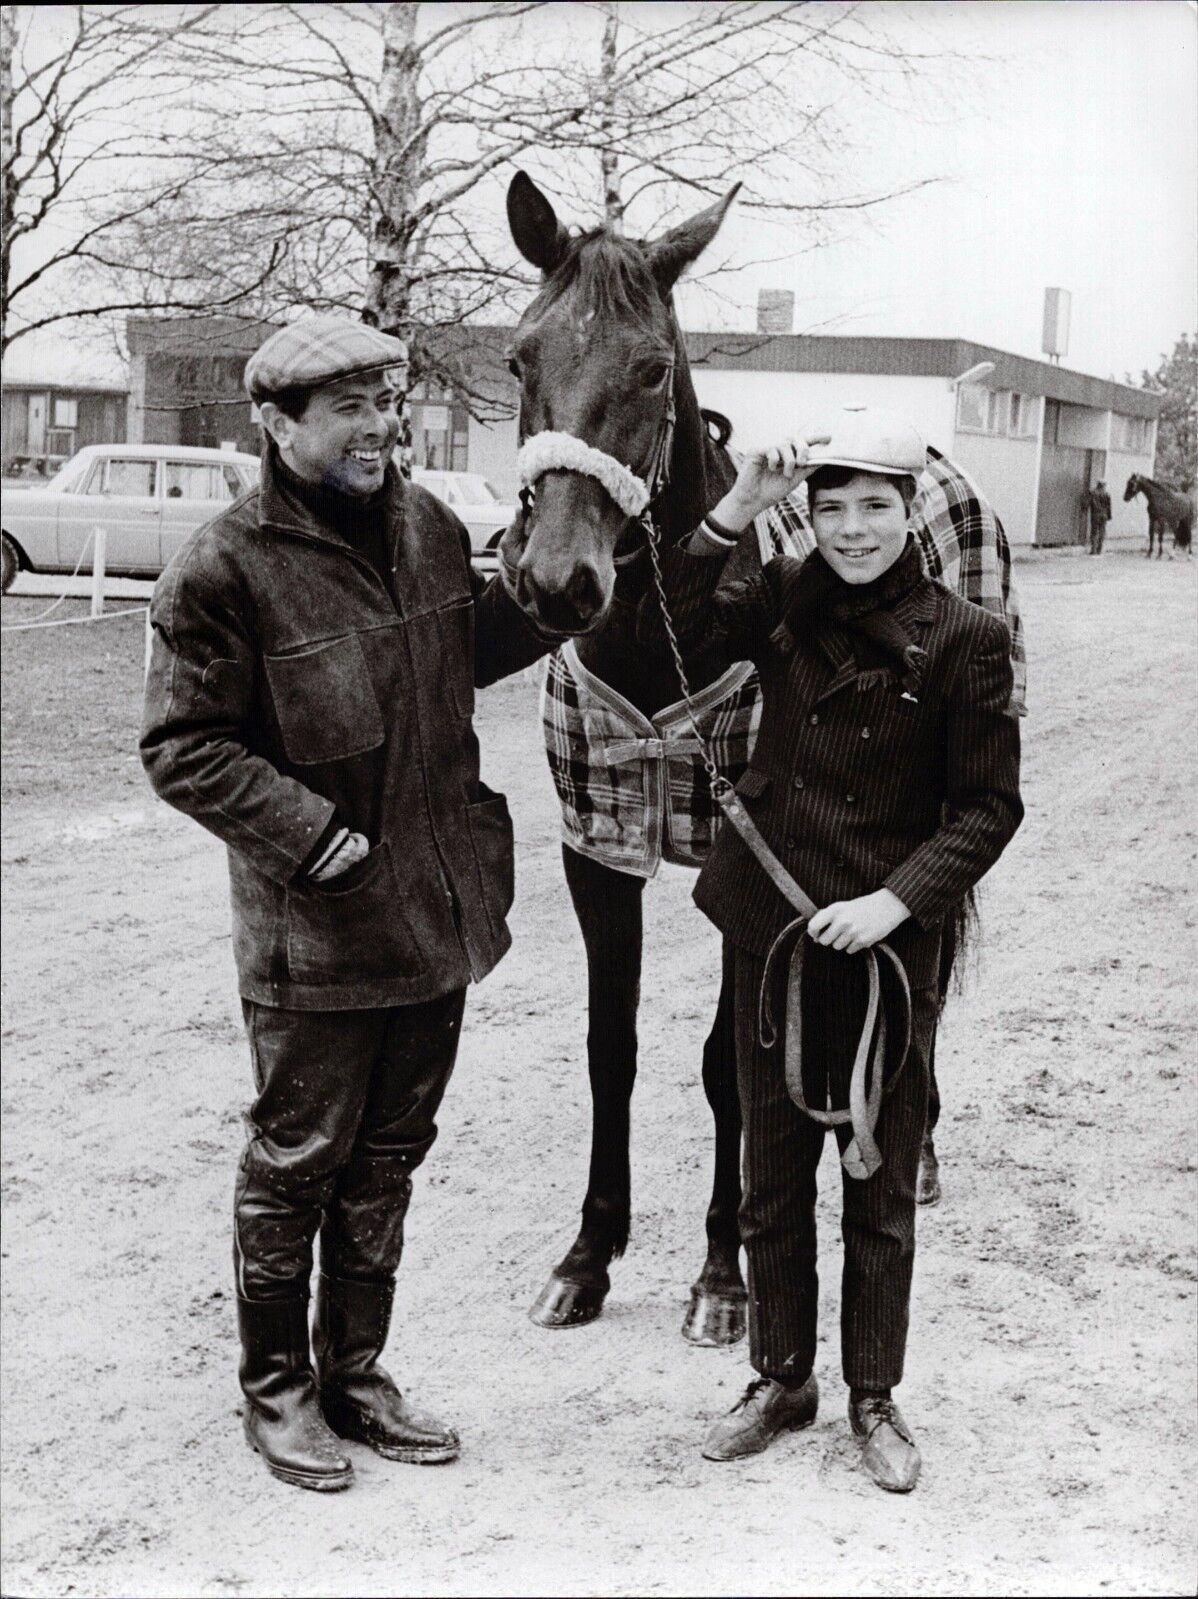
(345, 1113)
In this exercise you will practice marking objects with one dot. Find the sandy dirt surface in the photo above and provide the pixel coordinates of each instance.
(1050, 1372)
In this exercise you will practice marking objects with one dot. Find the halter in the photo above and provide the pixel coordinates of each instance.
(564, 452)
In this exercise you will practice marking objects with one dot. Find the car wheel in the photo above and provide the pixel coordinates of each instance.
(11, 564)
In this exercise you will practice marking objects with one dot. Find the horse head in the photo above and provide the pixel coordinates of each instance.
(1133, 487)
(599, 359)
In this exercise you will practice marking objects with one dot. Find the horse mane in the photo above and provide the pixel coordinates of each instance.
(609, 271)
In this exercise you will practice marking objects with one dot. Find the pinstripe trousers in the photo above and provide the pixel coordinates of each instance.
(782, 1149)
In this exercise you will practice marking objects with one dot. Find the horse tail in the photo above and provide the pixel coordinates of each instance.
(719, 428)
(1183, 532)
(958, 943)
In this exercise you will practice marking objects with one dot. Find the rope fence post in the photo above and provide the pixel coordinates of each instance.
(101, 542)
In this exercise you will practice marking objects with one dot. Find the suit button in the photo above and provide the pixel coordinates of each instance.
(850, 799)
(840, 860)
(798, 782)
(791, 844)
(865, 732)
(814, 719)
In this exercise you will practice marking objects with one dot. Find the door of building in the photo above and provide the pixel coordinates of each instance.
(1064, 478)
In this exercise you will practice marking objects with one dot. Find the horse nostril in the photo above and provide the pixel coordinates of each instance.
(585, 592)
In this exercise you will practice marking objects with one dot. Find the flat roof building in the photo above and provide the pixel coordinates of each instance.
(1034, 435)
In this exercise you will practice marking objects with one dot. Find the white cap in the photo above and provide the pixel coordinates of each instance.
(872, 440)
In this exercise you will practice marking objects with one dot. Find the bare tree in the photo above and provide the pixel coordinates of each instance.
(86, 94)
(343, 155)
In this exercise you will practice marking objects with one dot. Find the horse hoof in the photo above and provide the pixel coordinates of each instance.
(563, 1304)
(714, 1320)
(927, 1189)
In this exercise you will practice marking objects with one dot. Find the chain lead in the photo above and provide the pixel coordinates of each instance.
(719, 783)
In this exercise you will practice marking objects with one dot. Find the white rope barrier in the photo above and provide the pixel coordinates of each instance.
(70, 621)
(97, 614)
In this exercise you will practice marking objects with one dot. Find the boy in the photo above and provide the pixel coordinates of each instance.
(885, 780)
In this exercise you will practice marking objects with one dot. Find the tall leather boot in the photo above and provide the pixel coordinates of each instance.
(358, 1398)
(282, 1418)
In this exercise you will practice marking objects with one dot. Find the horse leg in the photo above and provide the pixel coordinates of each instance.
(717, 1308)
(927, 1183)
(608, 906)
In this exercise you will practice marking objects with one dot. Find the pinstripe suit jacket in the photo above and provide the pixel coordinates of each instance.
(856, 787)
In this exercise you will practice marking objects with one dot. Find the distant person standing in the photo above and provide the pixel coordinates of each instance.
(1098, 503)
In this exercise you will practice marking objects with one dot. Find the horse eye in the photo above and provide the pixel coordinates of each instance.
(653, 375)
(513, 366)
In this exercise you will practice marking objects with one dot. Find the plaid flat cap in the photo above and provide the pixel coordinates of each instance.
(872, 440)
(319, 350)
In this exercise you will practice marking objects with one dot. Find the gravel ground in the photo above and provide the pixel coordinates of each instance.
(1052, 1343)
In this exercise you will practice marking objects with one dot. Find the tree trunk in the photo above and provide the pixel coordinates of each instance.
(399, 155)
(613, 205)
(8, 39)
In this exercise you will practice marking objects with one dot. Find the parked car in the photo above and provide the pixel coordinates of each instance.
(149, 498)
(473, 501)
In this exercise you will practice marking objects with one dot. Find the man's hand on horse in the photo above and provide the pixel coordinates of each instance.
(851, 925)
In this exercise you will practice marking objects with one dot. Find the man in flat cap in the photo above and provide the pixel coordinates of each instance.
(309, 700)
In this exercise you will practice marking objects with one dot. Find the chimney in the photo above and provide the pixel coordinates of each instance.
(775, 310)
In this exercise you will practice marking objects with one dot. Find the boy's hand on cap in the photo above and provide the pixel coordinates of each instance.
(769, 475)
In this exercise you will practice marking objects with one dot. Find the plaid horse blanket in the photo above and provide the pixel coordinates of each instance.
(633, 790)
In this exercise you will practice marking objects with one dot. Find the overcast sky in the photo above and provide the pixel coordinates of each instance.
(1065, 152)
(1072, 161)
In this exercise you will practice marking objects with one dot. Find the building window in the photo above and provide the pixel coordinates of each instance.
(971, 407)
(982, 410)
(1023, 416)
(1132, 434)
(66, 412)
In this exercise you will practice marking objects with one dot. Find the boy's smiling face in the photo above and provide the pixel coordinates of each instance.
(861, 529)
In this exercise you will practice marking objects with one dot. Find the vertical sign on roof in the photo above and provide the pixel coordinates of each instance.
(1055, 339)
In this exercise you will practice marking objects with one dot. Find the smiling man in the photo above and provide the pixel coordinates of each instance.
(309, 700)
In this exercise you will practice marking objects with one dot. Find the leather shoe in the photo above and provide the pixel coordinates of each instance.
(888, 1450)
(765, 1409)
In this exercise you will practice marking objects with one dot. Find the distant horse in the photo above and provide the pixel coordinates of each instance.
(604, 380)
(1168, 510)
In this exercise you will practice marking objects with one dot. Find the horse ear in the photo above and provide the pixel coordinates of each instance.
(540, 237)
(670, 255)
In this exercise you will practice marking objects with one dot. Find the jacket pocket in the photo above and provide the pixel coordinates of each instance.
(353, 928)
(491, 836)
(456, 625)
(325, 702)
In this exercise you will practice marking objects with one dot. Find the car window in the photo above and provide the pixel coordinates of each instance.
(69, 478)
(189, 480)
(474, 489)
(95, 479)
(132, 478)
(230, 483)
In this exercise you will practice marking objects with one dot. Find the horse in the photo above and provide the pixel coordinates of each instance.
(1168, 510)
(599, 356)
(602, 367)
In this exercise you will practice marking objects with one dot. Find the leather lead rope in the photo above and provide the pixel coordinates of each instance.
(862, 1157)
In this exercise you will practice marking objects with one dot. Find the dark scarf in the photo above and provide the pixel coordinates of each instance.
(813, 598)
(361, 523)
